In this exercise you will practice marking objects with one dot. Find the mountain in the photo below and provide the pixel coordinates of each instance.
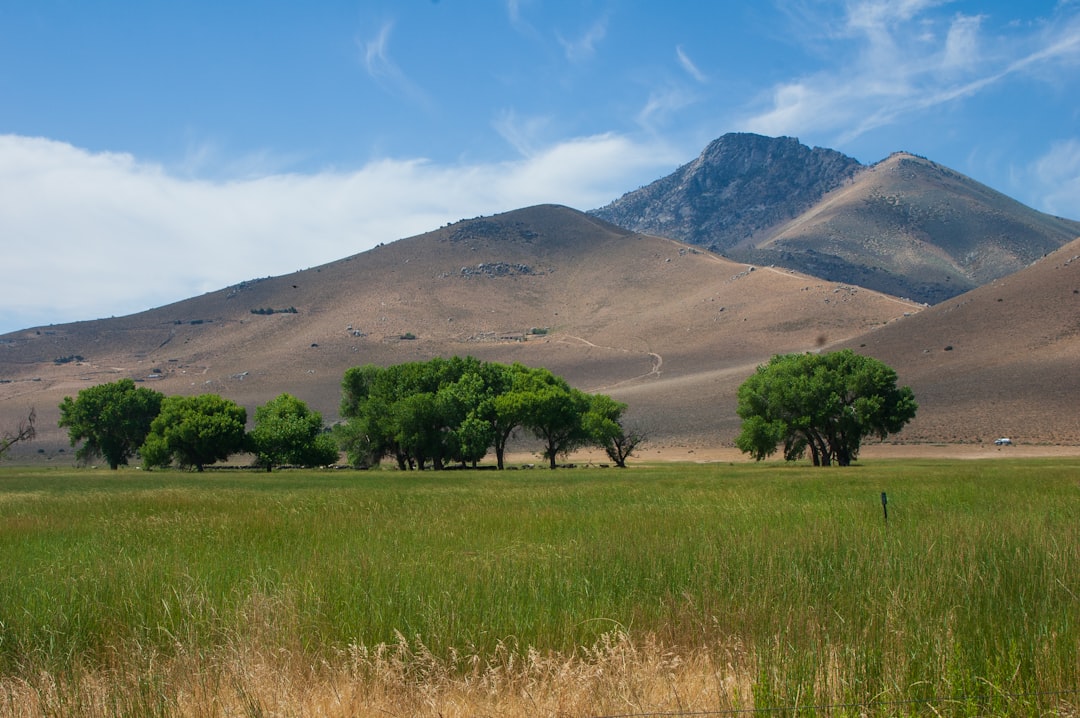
(669, 328)
(738, 188)
(905, 226)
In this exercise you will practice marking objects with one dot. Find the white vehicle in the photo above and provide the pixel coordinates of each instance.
(1003, 442)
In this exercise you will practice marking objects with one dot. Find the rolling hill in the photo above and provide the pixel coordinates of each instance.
(1000, 360)
(905, 226)
(667, 327)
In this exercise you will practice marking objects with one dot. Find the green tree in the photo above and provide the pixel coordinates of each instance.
(111, 419)
(417, 429)
(288, 432)
(365, 437)
(604, 426)
(195, 431)
(554, 412)
(827, 403)
(507, 408)
(420, 413)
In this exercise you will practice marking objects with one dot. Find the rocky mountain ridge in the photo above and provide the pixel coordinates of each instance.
(740, 186)
(906, 225)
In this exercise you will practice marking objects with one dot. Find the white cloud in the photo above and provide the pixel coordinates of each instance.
(523, 134)
(382, 68)
(1054, 180)
(892, 60)
(513, 9)
(962, 44)
(662, 104)
(584, 47)
(98, 234)
(689, 66)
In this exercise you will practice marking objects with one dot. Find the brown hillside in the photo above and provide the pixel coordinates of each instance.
(1001, 360)
(668, 328)
(910, 227)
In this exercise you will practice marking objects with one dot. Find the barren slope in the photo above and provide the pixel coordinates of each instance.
(1001, 360)
(668, 328)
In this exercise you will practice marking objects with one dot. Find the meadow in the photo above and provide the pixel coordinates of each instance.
(712, 589)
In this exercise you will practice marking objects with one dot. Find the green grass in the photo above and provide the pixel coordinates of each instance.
(970, 591)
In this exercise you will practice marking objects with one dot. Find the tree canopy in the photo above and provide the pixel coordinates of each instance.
(111, 419)
(195, 431)
(434, 413)
(603, 424)
(288, 432)
(826, 403)
(446, 411)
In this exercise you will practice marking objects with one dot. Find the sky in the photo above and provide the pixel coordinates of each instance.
(153, 150)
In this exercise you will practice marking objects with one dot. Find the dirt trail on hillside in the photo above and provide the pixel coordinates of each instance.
(657, 361)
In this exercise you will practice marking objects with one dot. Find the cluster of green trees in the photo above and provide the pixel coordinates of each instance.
(453, 411)
(826, 403)
(117, 420)
(431, 413)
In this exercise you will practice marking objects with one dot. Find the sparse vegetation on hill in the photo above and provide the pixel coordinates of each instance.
(269, 310)
(68, 359)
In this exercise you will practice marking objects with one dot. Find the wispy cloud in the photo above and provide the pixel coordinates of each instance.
(583, 47)
(662, 104)
(101, 234)
(375, 54)
(524, 134)
(894, 60)
(1055, 179)
(513, 11)
(962, 45)
(689, 66)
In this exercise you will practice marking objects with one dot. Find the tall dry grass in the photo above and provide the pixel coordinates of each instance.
(613, 677)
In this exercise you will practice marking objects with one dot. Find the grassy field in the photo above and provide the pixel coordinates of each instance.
(672, 588)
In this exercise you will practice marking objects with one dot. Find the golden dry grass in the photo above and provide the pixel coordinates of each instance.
(613, 677)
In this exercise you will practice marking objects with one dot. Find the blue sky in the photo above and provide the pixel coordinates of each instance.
(153, 150)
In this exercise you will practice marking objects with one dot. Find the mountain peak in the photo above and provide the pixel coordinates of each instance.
(739, 186)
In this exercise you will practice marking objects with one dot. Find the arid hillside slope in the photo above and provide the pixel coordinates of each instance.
(911, 227)
(1000, 360)
(666, 327)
